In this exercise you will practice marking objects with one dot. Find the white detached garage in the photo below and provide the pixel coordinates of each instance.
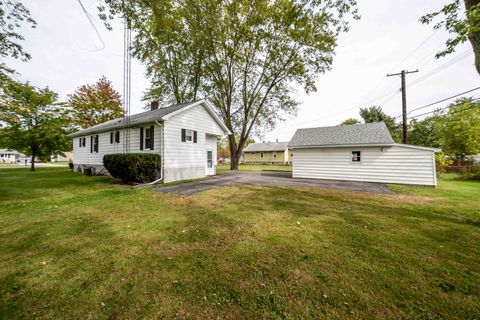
(361, 152)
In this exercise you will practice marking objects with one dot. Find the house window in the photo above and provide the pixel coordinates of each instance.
(356, 156)
(209, 159)
(111, 137)
(261, 154)
(188, 136)
(148, 138)
(84, 142)
(117, 137)
(274, 155)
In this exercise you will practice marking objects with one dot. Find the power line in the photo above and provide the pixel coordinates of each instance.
(442, 100)
(93, 25)
(444, 66)
(439, 109)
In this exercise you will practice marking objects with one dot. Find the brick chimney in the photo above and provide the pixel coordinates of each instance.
(154, 105)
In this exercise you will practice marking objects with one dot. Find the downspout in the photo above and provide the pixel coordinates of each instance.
(161, 161)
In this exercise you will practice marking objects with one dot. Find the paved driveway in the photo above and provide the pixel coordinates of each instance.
(269, 178)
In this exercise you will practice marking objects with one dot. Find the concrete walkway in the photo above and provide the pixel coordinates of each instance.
(269, 178)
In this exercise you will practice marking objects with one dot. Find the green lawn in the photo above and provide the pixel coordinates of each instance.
(257, 167)
(76, 247)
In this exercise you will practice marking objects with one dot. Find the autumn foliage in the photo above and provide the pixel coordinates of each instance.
(94, 104)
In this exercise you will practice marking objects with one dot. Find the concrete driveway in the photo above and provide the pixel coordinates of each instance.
(269, 178)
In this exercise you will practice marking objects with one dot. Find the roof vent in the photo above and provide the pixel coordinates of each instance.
(154, 105)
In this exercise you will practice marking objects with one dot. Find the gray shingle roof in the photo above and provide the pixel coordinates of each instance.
(135, 119)
(270, 146)
(357, 134)
(9, 151)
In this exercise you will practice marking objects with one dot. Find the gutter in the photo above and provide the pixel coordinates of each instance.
(159, 180)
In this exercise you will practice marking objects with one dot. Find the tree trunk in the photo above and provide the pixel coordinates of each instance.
(32, 165)
(232, 144)
(474, 37)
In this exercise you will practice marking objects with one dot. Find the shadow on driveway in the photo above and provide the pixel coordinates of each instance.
(270, 179)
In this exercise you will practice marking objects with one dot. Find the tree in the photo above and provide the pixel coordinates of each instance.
(425, 132)
(245, 56)
(376, 114)
(13, 16)
(462, 24)
(350, 121)
(460, 129)
(34, 123)
(95, 104)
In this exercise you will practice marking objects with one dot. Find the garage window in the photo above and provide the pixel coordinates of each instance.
(356, 156)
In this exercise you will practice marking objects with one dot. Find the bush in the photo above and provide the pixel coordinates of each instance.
(442, 163)
(70, 165)
(133, 167)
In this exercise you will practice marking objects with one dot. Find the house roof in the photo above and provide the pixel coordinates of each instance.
(9, 151)
(269, 146)
(343, 135)
(147, 117)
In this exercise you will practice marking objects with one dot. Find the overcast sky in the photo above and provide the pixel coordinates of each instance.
(66, 53)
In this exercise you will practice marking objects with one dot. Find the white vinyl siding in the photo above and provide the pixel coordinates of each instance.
(82, 155)
(395, 164)
(188, 160)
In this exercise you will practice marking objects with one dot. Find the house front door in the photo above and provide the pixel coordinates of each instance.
(210, 168)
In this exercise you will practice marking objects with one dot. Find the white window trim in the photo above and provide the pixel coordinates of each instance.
(188, 133)
(351, 157)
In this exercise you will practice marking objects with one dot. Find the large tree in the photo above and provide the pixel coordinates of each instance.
(34, 123)
(96, 103)
(13, 16)
(460, 128)
(462, 21)
(350, 121)
(426, 132)
(376, 114)
(245, 56)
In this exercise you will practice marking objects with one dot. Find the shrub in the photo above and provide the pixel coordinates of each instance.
(133, 167)
(442, 163)
(70, 165)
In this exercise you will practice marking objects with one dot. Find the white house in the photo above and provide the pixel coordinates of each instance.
(185, 136)
(11, 156)
(361, 152)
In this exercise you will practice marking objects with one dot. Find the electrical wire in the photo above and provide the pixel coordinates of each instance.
(439, 109)
(93, 26)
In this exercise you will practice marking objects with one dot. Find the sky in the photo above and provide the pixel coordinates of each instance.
(67, 53)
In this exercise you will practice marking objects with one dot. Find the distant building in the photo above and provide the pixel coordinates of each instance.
(58, 157)
(267, 153)
(11, 156)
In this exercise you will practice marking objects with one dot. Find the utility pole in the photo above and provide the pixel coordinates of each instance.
(404, 102)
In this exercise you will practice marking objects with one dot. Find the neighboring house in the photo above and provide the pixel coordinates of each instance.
(58, 157)
(476, 158)
(11, 156)
(267, 153)
(362, 152)
(185, 136)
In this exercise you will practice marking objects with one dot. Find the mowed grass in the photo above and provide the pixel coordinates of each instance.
(75, 247)
(256, 167)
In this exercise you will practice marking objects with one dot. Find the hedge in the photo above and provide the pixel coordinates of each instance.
(133, 167)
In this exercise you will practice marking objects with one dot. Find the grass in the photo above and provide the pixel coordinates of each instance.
(258, 167)
(84, 247)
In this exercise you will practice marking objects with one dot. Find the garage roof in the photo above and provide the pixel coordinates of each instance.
(343, 135)
(269, 146)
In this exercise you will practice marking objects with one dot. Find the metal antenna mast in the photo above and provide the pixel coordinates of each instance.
(127, 81)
